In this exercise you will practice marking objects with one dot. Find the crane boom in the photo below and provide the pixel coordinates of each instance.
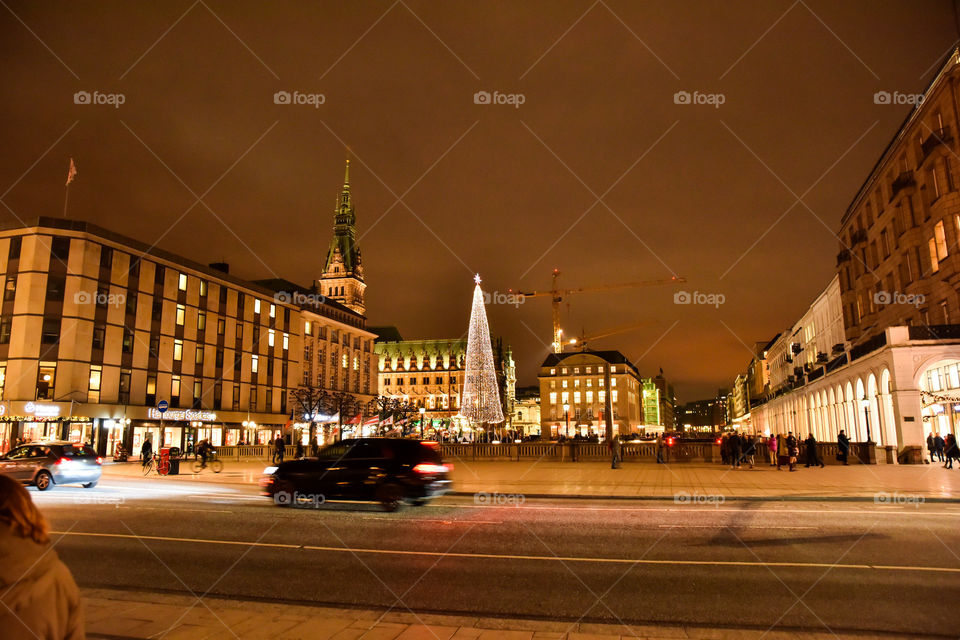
(557, 294)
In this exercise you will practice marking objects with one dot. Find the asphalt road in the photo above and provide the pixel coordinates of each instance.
(832, 566)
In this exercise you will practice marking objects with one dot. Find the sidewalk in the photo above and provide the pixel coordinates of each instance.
(890, 483)
(114, 615)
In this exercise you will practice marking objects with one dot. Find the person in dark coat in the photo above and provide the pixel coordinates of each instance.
(299, 454)
(843, 447)
(314, 447)
(813, 457)
(793, 449)
(278, 450)
(734, 450)
(146, 452)
(952, 451)
(931, 445)
(40, 598)
(938, 445)
(615, 452)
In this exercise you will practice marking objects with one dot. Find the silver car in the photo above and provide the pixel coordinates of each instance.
(45, 464)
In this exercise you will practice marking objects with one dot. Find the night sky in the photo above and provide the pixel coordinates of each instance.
(598, 173)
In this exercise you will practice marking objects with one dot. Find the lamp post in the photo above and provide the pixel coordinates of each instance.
(866, 414)
(566, 414)
(423, 411)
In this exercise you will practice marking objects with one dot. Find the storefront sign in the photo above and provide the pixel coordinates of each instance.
(183, 415)
(39, 410)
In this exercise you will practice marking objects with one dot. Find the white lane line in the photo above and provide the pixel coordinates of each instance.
(494, 556)
(726, 526)
(908, 511)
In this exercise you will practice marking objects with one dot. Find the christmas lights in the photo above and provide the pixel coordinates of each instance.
(480, 399)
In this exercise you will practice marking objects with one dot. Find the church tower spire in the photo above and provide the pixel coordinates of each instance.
(342, 278)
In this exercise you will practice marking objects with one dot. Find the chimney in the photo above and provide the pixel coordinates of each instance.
(220, 266)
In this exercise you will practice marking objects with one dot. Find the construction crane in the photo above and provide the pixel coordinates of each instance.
(581, 341)
(557, 295)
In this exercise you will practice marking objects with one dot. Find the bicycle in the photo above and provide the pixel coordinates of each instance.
(213, 463)
(156, 463)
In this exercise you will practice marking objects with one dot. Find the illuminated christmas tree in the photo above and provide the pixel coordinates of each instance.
(480, 399)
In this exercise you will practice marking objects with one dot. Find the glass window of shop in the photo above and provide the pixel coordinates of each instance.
(146, 431)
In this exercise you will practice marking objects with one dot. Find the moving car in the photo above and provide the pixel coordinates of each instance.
(386, 470)
(45, 464)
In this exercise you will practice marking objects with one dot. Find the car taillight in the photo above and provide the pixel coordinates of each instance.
(425, 467)
(63, 460)
(99, 460)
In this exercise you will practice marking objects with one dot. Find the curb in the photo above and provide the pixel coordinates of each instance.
(589, 496)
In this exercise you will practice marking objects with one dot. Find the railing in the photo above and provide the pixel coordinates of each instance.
(868, 346)
(901, 182)
(935, 139)
(935, 332)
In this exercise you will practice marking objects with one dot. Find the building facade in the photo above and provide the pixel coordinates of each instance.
(525, 418)
(707, 416)
(899, 260)
(342, 278)
(108, 340)
(573, 394)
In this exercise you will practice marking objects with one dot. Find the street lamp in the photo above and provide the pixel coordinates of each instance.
(866, 414)
(423, 411)
(566, 414)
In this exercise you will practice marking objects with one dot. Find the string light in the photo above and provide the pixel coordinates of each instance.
(480, 400)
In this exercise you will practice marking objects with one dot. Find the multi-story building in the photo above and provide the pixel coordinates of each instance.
(667, 401)
(429, 373)
(899, 260)
(525, 419)
(704, 416)
(573, 394)
(106, 339)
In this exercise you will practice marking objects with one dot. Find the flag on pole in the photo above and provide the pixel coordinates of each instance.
(370, 422)
(388, 421)
(71, 172)
(354, 420)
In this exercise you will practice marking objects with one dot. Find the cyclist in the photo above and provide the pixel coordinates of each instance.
(203, 449)
(146, 452)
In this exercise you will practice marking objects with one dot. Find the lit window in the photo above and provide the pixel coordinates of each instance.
(254, 363)
(308, 328)
(599, 382)
(589, 397)
(356, 363)
(934, 263)
(344, 361)
(201, 321)
(589, 370)
(941, 239)
(95, 376)
(270, 337)
(181, 314)
(613, 395)
(178, 350)
(576, 383)
(576, 397)
(563, 384)
(613, 368)
(576, 370)
(203, 288)
(613, 382)
(589, 382)
(565, 397)
(256, 305)
(563, 371)
(286, 342)
(273, 311)
(183, 282)
(601, 396)
(553, 372)
(175, 387)
(553, 397)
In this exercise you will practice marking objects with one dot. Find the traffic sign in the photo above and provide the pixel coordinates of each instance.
(162, 406)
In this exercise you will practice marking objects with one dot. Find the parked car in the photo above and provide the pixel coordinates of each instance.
(45, 464)
(386, 470)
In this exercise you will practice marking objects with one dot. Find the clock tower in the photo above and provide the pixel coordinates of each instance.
(342, 278)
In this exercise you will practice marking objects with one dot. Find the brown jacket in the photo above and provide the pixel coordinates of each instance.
(40, 597)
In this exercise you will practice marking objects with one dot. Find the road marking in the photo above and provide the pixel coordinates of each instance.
(726, 526)
(906, 511)
(494, 556)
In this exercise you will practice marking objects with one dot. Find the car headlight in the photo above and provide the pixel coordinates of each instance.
(269, 471)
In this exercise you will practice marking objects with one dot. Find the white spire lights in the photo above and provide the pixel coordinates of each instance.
(480, 399)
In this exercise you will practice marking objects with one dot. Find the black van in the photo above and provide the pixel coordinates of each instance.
(386, 470)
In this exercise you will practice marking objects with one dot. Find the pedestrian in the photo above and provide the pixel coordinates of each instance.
(843, 447)
(146, 451)
(749, 449)
(314, 447)
(278, 450)
(40, 597)
(659, 448)
(938, 444)
(951, 450)
(931, 445)
(615, 452)
(735, 450)
(299, 453)
(813, 457)
(725, 449)
(772, 448)
(793, 450)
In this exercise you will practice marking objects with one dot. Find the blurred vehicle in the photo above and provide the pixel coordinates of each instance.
(45, 464)
(386, 470)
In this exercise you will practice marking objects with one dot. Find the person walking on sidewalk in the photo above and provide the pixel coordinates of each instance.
(793, 450)
(951, 450)
(749, 449)
(659, 448)
(615, 452)
(813, 456)
(735, 450)
(299, 453)
(938, 445)
(314, 447)
(843, 447)
(931, 445)
(772, 450)
(278, 450)
(40, 597)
